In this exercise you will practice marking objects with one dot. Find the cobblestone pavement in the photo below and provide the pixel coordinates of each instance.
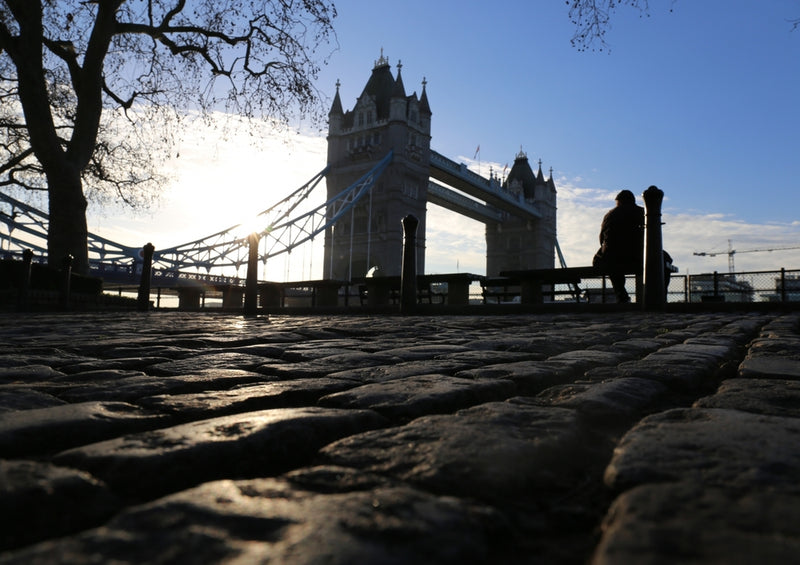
(614, 438)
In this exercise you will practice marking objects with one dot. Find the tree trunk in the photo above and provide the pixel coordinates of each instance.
(67, 234)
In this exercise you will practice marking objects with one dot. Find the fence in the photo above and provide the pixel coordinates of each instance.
(760, 286)
(753, 286)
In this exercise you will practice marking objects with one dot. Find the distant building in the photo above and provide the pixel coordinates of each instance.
(787, 289)
(719, 287)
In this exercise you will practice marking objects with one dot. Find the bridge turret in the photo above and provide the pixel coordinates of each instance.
(398, 104)
(425, 109)
(336, 113)
(383, 119)
(516, 243)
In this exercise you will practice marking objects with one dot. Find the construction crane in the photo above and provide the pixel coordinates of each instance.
(731, 252)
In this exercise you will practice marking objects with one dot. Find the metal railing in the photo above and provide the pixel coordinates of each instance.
(782, 285)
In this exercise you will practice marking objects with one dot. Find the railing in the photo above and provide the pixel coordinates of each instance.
(753, 286)
(782, 285)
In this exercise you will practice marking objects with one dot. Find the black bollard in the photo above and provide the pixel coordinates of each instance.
(654, 294)
(143, 298)
(251, 282)
(25, 283)
(408, 273)
(66, 279)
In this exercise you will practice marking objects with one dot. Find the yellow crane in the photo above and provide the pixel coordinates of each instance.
(731, 252)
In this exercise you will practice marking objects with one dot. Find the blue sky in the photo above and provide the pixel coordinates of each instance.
(701, 98)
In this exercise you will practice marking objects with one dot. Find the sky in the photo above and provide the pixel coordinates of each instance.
(700, 98)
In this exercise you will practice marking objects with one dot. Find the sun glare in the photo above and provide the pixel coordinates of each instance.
(252, 225)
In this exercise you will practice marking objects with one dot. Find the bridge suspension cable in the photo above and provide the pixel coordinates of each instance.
(281, 228)
(281, 234)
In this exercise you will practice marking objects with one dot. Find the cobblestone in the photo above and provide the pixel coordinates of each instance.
(614, 438)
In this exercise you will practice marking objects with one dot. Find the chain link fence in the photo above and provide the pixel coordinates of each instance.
(754, 286)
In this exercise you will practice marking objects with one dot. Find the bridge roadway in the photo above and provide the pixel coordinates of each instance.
(130, 275)
(458, 176)
(617, 438)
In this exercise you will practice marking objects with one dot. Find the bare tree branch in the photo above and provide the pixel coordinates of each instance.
(74, 72)
(592, 20)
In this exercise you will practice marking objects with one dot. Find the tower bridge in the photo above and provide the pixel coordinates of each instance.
(519, 213)
(380, 169)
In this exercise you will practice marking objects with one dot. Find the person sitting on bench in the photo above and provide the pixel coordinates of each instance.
(621, 240)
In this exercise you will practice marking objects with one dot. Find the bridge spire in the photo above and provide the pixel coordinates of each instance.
(336, 113)
(382, 61)
(424, 106)
(399, 90)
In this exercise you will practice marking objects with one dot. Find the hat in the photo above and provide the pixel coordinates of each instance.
(625, 196)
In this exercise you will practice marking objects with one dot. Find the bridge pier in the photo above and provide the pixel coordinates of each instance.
(232, 297)
(189, 297)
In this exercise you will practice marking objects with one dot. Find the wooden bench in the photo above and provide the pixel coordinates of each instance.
(532, 280)
(323, 292)
(381, 291)
(378, 291)
(500, 290)
(457, 285)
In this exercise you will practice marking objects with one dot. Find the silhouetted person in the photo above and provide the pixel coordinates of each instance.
(621, 240)
(669, 268)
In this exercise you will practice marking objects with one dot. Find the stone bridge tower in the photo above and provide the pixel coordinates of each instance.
(517, 244)
(383, 119)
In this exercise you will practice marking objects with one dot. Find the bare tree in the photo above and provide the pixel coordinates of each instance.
(72, 70)
(592, 18)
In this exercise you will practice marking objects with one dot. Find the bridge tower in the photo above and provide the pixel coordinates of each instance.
(383, 119)
(515, 243)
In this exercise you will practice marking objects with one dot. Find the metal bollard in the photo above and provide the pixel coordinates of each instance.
(66, 279)
(143, 297)
(654, 295)
(251, 283)
(408, 273)
(25, 282)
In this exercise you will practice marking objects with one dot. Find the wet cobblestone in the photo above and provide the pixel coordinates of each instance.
(614, 438)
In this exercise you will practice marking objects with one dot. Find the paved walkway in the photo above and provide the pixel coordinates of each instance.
(621, 438)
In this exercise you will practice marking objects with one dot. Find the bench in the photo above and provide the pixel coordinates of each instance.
(323, 292)
(532, 280)
(378, 291)
(500, 290)
(457, 285)
(381, 291)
